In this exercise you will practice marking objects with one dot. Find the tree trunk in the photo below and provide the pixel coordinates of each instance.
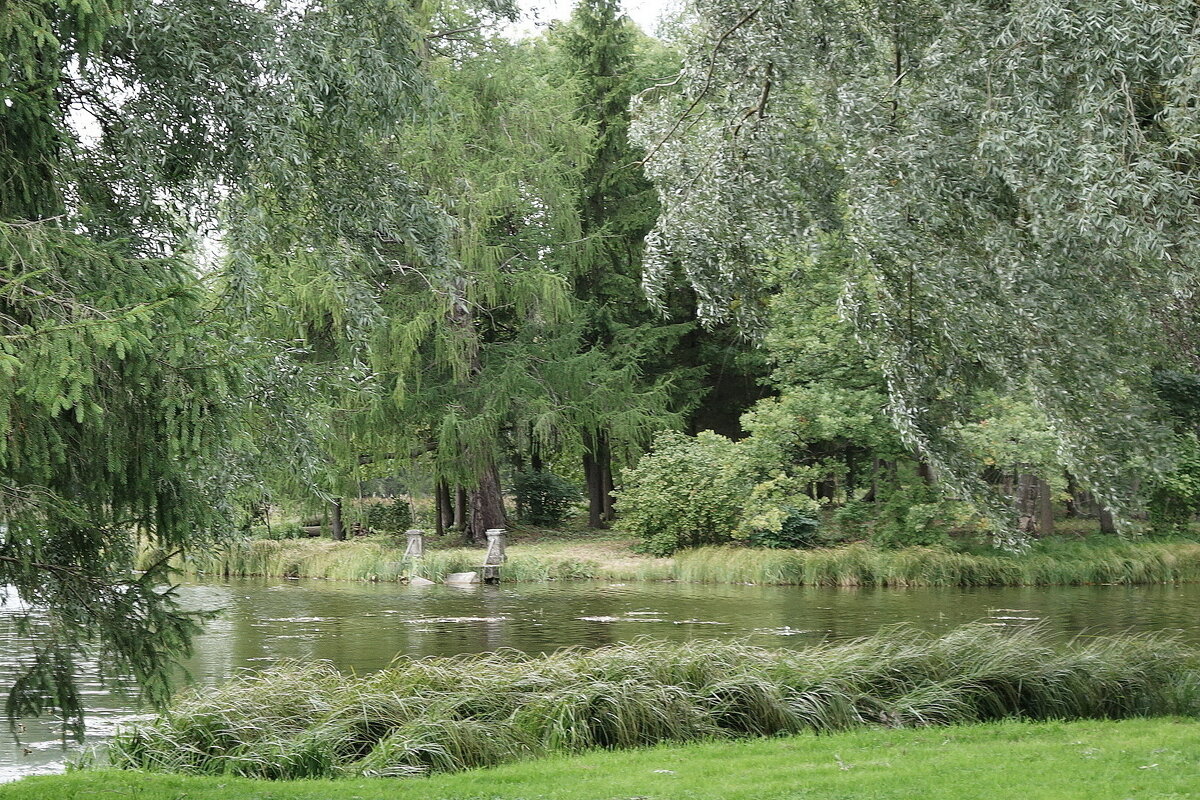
(439, 510)
(1045, 508)
(487, 507)
(592, 477)
(1072, 497)
(1107, 523)
(445, 507)
(339, 530)
(1035, 513)
(872, 495)
(604, 465)
(460, 508)
(1024, 502)
(535, 455)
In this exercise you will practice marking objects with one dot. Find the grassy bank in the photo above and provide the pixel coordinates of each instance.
(1091, 760)
(378, 559)
(1094, 561)
(1047, 564)
(307, 720)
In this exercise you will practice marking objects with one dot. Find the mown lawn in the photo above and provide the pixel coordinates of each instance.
(1142, 758)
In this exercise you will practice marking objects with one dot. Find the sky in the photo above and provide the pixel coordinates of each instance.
(539, 13)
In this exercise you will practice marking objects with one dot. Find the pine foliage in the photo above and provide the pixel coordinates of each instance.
(131, 403)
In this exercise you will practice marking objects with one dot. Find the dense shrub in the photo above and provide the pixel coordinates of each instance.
(688, 491)
(287, 530)
(1174, 497)
(912, 514)
(798, 529)
(544, 497)
(389, 516)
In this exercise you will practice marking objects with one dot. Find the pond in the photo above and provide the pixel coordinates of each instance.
(363, 627)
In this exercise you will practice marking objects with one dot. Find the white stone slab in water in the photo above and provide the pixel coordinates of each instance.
(419, 581)
(462, 577)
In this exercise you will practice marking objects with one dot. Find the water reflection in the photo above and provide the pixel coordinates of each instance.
(363, 627)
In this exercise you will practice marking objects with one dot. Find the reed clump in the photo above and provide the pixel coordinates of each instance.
(306, 720)
(1060, 564)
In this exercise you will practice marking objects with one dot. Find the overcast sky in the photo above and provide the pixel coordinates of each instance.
(538, 13)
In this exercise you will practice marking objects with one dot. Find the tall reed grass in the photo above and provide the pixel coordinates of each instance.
(1064, 563)
(300, 720)
(380, 560)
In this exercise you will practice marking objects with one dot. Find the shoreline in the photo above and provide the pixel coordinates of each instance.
(375, 559)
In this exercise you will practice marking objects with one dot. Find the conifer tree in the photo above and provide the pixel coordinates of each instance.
(484, 359)
(129, 400)
(607, 60)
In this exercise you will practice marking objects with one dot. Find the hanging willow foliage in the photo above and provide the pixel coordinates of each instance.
(132, 403)
(1015, 185)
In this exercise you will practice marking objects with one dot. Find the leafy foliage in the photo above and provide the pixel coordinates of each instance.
(688, 491)
(132, 404)
(797, 529)
(389, 516)
(545, 496)
(1001, 234)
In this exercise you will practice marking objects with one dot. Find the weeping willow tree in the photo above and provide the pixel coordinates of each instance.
(130, 400)
(1015, 185)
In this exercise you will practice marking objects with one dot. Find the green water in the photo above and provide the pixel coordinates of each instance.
(363, 627)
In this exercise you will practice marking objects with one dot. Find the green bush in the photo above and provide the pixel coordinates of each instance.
(798, 529)
(853, 520)
(688, 491)
(1174, 497)
(544, 497)
(913, 513)
(389, 516)
(911, 524)
(287, 530)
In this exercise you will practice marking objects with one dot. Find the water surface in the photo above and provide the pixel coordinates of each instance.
(363, 627)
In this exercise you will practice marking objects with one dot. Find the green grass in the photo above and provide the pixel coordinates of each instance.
(1097, 560)
(379, 559)
(1052, 563)
(1091, 760)
(307, 720)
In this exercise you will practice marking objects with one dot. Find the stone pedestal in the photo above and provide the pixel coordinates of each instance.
(416, 544)
(495, 555)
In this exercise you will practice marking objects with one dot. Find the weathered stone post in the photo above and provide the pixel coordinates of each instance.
(413, 553)
(495, 555)
(416, 544)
